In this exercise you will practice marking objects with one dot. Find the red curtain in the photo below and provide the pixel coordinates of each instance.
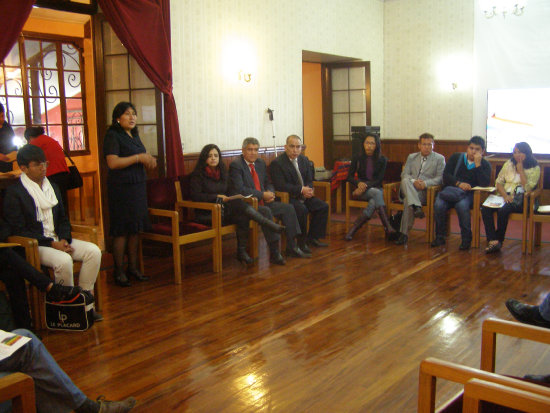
(13, 15)
(143, 26)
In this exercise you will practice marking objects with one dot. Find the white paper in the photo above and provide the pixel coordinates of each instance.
(494, 201)
(9, 343)
(544, 209)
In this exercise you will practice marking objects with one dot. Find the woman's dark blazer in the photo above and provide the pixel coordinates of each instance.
(359, 165)
(20, 213)
(205, 189)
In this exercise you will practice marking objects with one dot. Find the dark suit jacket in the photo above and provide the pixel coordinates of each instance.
(359, 165)
(20, 213)
(284, 175)
(241, 181)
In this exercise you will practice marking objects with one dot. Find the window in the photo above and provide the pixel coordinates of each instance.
(350, 95)
(41, 83)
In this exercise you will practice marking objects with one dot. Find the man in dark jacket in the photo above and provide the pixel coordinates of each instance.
(464, 171)
(292, 172)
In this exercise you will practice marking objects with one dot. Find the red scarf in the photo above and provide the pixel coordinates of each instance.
(212, 173)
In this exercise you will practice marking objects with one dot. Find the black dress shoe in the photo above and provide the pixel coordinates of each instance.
(418, 213)
(305, 248)
(277, 258)
(314, 242)
(464, 245)
(122, 280)
(97, 316)
(538, 378)
(297, 253)
(138, 275)
(402, 240)
(438, 242)
(528, 314)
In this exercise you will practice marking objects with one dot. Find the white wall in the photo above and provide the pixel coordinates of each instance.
(420, 36)
(214, 109)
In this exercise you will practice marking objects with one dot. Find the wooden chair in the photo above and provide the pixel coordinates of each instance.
(536, 220)
(477, 391)
(393, 203)
(182, 186)
(352, 203)
(19, 388)
(171, 224)
(523, 216)
(37, 298)
(432, 368)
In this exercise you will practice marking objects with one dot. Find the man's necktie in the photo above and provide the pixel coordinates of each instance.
(256, 180)
(295, 163)
(422, 162)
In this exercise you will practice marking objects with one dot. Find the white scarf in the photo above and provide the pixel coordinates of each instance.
(44, 200)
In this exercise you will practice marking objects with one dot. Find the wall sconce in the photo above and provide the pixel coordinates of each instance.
(453, 71)
(239, 62)
(492, 8)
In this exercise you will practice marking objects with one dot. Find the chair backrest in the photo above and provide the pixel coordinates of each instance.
(161, 193)
(185, 185)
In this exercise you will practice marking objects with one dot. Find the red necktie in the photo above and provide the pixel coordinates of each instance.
(256, 180)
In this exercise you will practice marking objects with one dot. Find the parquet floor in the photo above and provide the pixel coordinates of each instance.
(342, 332)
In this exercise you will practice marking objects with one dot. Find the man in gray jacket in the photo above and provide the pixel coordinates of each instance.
(422, 170)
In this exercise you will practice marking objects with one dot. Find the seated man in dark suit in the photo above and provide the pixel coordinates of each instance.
(291, 172)
(248, 176)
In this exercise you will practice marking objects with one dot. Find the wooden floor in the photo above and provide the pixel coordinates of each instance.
(342, 332)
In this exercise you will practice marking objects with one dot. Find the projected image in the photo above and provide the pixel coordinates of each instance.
(518, 115)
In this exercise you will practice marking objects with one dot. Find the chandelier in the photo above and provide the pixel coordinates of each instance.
(492, 8)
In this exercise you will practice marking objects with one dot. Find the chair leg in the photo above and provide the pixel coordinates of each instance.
(177, 263)
(98, 292)
(347, 216)
(140, 255)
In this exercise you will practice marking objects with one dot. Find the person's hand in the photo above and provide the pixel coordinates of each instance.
(465, 186)
(419, 184)
(62, 245)
(362, 186)
(478, 156)
(223, 197)
(508, 198)
(307, 192)
(269, 197)
(147, 160)
(519, 164)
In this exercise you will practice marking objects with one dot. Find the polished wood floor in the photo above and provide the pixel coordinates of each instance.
(342, 332)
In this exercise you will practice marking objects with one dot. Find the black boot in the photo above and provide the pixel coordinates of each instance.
(391, 234)
(242, 242)
(137, 275)
(359, 222)
(263, 221)
(275, 256)
(120, 278)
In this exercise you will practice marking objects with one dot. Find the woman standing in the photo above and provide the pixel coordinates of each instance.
(370, 166)
(209, 183)
(126, 188)
(57, 171)
(519, 174)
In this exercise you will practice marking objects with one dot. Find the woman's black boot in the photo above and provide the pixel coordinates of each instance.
(391, 233)
(263, 221)
(138, 275)
(242, 242)
(359, 222)
(121, 279)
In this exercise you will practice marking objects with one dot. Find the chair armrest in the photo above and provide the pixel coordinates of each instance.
(9, 244)
(163, 213)
(325, 185)
(252, 201)
(493, 326)
(209, 206)
(388, 190)
(476, 390)
(91, 232)
(20, 388)
(433, 368)
(31, 249)
(284, 196)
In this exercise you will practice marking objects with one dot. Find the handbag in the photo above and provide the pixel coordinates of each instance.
(74, 179)
(452, 194)
(73, 315)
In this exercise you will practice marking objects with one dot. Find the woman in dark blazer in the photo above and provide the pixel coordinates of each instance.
(126, 189)
(210, 183)
(370, 167)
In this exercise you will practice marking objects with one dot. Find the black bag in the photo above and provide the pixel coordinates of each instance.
(452, 194)
(74, 179)
(74, 315)
(395, 220)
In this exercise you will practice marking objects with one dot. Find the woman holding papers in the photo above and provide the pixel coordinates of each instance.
(520, 174)
(210, 183)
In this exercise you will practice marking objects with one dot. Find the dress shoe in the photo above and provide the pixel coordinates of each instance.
(297, 253)
(305, 248)
(465, 245)
(277, 258)
(107, 406)
(528, 314)
(402, 240)
(438, 242)
(243, 257)
(314, 242)
(121, 279)
(97, 316)
(138, 275)
(418, 213)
